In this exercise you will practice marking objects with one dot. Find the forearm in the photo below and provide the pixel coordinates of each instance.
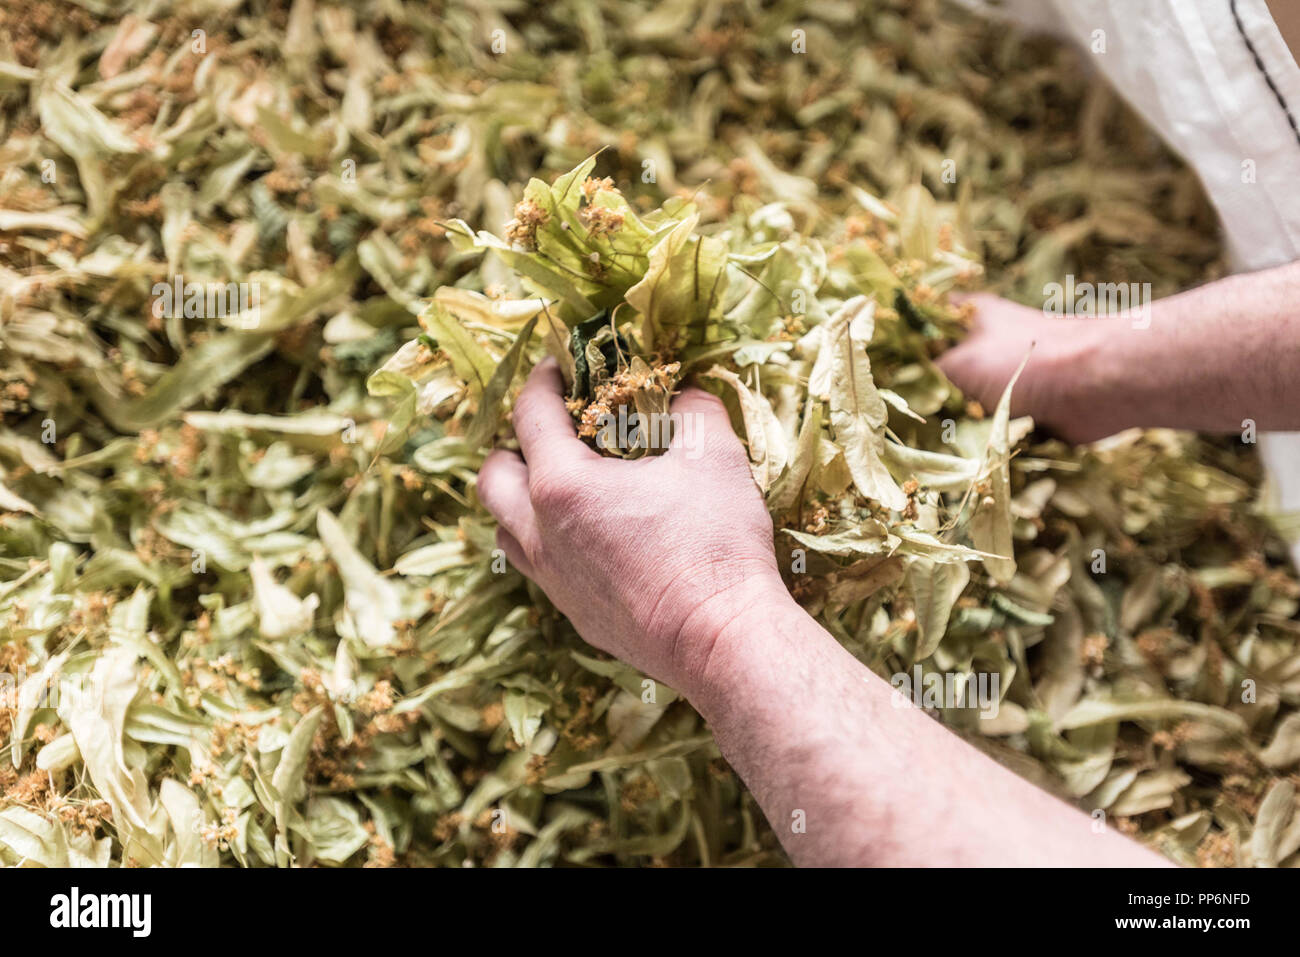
(1209, 359)
(847, 778)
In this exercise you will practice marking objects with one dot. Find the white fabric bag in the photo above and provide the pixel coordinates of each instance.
(1199, 71)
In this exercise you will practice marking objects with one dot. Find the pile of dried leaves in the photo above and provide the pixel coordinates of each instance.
(249, 599)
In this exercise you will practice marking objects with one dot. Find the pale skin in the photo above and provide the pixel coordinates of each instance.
(1207, 360)
(668, 564)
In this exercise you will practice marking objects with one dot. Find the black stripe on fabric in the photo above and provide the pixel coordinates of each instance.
(1281, 100)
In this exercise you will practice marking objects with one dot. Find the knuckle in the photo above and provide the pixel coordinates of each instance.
(523, 551)
(557, 493)
(487, 489)
(489, 470)
(702, 402)
(494, 477)
(724, 446)
(696, 394)
(525, 408)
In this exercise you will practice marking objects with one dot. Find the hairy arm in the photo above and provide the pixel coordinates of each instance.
(1206, 360)
(848, 777)
(668, 563)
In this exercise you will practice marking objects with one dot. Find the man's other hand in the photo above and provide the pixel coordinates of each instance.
(1063, 385)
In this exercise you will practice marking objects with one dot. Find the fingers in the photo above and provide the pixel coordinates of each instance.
(708, 407)
(515, 552)
(953, 362)
(972, 369)
(543, 425)
(703, 427)
(551, 447)
(503, 490)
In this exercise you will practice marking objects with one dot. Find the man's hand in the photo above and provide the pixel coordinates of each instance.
(648, 558)
(1211, 359)
(667, 563)
(1060, 386)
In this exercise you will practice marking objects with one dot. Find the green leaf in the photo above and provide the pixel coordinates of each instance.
(484, 423)
(681, 287)
(858, 414)
(768, 454)
(371, 603)
(470, 360)
(935, 589)
(991, 525)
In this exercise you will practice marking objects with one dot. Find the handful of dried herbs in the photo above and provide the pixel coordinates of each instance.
(263, 561)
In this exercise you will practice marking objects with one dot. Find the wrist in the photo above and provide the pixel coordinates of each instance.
(742, 641)
(1081, 384)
